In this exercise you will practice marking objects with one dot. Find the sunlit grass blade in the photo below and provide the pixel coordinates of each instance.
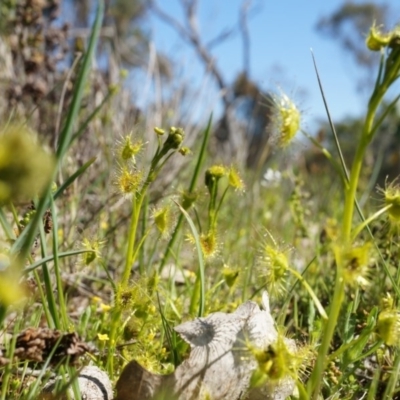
(373, 388)
(314, 297)
(337, 143)
(6, 226)
(200, 279)
(49, 258)
(361, 226)
(51, 301)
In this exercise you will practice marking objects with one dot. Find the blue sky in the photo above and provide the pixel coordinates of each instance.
(282, 33)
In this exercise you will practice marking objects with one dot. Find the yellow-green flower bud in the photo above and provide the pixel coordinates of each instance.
(114, 89)
(174, 139)
(184, 151)
(376, 40)
(123, 73)
(159, 131)
(213, 175)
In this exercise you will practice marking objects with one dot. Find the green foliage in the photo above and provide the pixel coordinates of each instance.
(151, 255)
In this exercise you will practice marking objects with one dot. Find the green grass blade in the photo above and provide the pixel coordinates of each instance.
(86, 123)
(6, 226)
(338, 168)
(60, 290)
(73, 177)
(66, 133)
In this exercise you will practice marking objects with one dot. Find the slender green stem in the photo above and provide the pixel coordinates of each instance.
(360, 227)
(393, 380)
(48, 284)
(350, 194)
(57, 271)
(42, 297)
(192, 185)
(320, 364)
(131, 244)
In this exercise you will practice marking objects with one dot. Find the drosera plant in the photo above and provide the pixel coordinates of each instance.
(351, 249)
(135, 295)
(134, 183)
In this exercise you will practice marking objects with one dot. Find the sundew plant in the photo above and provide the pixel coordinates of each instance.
(103, 288)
